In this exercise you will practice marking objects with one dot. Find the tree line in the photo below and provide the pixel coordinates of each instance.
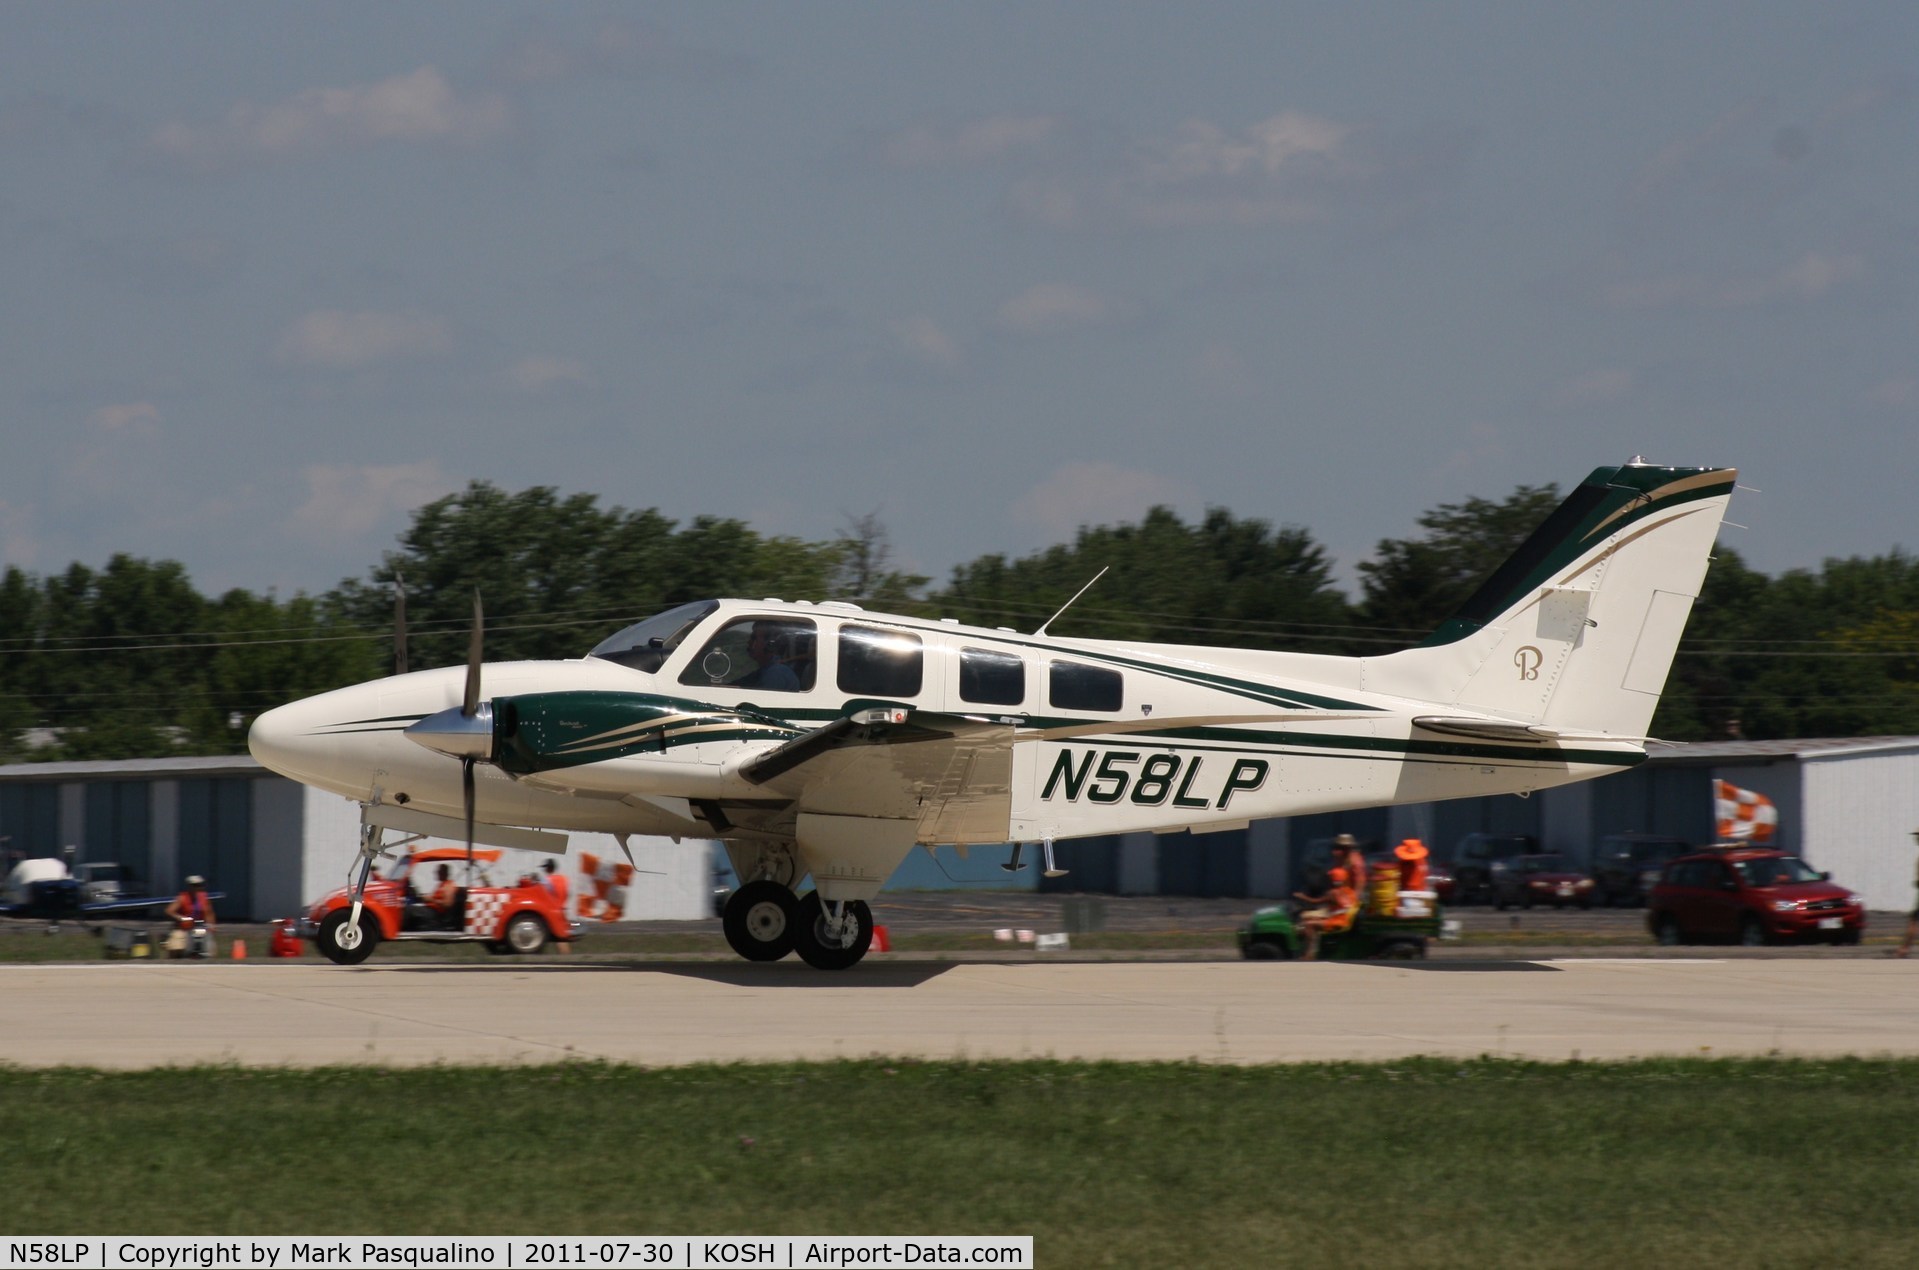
(130, 660)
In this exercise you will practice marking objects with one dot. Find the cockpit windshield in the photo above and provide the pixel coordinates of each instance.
(645, 645)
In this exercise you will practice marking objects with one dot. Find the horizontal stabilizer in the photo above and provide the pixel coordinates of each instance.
(1507, 730)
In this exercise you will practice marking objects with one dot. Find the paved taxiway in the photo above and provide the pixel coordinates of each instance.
(130, 1014)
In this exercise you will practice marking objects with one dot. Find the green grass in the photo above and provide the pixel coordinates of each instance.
(1423, 1163)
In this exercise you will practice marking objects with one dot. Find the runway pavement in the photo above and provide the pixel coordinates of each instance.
(136, 1014)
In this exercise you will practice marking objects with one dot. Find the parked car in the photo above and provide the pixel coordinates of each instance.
(1751, 896)
(1626, 865)
(1477, 856)
(1541, 879)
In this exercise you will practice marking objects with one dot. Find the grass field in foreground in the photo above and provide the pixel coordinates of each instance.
(1428, 1163)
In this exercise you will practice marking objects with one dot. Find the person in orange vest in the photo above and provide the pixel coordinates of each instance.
(445, 897)
(555, 881)
(1411, 855)
(1342, 902)
(1348, 856)
(191, 907)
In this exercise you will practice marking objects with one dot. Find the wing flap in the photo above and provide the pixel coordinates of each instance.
(950, 774)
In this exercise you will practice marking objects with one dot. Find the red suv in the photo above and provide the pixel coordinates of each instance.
(1751, 896)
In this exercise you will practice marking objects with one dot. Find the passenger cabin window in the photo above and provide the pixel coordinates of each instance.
(992, 679)
(646, 645)
(1073, 686)
(880, 663)
(767, 654)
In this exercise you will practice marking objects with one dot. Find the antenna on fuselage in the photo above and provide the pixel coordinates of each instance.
(399, 624)
(1069, 604)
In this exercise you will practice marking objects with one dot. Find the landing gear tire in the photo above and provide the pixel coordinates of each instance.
(344, 944)
(760, 920)
(816, 944)
(525, 935)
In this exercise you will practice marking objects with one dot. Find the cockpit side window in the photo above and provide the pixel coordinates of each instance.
(646, 645)
(769, 654)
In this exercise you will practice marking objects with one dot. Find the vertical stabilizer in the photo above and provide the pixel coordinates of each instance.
(1576, 632)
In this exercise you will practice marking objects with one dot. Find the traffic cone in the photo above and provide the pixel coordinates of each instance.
(239, 950)
(880, 942)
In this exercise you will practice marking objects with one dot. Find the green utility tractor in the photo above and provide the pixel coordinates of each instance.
(1273, 934)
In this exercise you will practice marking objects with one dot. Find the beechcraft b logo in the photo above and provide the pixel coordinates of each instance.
(1528, 659)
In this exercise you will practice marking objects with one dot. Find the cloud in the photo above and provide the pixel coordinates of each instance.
(1202, 150)
(337, 340)
(1095, 493)
(350, 501)
(1811, 277)
(142, 417)
(530, 374)
(419, 107)
(926, 343)
(1052, 308)
(974, 142)
(1291, 167)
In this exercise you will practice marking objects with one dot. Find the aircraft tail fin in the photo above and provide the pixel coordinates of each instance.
(1576, 632)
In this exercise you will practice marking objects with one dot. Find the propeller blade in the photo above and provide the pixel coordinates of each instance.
(467, 797)
(471, 705)
(399, 625)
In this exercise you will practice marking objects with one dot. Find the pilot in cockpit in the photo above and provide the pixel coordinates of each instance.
(771, 647)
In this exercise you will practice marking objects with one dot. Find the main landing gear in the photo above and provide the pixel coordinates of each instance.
(764, 921)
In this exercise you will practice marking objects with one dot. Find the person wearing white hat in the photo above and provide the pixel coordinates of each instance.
(192, 907)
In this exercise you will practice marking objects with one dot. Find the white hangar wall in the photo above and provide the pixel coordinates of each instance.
(1859, 813)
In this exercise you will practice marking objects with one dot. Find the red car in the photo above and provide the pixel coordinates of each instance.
(1527, 880)
(520, 918)
(1751, 896)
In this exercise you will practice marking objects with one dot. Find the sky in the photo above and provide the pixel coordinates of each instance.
(271, 276)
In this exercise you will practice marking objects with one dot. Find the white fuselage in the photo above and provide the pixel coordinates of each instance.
(1304, 737)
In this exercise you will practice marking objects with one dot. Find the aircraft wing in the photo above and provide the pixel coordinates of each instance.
(132, 904)
(59, 907)
(952, 774)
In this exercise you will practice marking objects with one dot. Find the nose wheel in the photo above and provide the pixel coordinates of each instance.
(760, 921)
(345, 941)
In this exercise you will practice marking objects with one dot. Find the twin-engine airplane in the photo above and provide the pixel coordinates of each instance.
(823, 740)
